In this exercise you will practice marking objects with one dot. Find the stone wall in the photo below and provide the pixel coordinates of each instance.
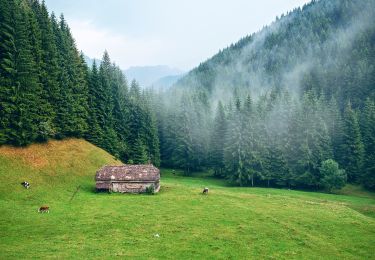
(126, 187)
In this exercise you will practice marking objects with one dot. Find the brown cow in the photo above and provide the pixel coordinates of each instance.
(43, 209)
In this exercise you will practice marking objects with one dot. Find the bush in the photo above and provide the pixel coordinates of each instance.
(332, 176)
(150, 190)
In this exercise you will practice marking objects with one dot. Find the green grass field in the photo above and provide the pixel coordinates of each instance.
(229, 223)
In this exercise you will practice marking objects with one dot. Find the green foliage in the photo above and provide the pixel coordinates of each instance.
(332, 176)
(47, 90)
(150, 190)
(138, 152)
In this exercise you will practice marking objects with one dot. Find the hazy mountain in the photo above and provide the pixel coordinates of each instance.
(326, 46)
(147, 75)
(167, 81)
(281, 103)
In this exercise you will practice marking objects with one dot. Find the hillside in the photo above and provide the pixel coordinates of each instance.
(166, 82)
(256, 222)
(326, 46)
(49, 166)
(273, 107)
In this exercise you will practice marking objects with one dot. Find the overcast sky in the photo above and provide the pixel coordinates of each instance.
(178, 33)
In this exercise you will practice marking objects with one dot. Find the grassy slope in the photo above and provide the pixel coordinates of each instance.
(229, 223)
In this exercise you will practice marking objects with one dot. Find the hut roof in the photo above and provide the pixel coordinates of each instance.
(128, 173)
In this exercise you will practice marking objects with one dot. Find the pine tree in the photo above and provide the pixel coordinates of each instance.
(106, 106)
(335, 127)
(275, 165)
(352, 146)
(297, 150)
(63, 94)
(24, 83)
(7, 68)
(251, 128)
(94, 133)
(234, 148)
(120, 111)
(217, 141)
(368, 135)
(48, 69)
(183, 153)
(139, 154)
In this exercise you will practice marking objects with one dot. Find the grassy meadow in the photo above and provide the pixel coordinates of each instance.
(177, 223)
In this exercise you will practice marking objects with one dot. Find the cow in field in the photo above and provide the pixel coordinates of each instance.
(205, 190)
(43, 209)
(25, 184)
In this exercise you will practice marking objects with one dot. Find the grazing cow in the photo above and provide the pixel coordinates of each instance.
(25, 184)
(43, 209)
(205, 190)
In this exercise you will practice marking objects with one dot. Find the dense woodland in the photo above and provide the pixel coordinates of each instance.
(47, 90)
(291, 105)
(283, 105)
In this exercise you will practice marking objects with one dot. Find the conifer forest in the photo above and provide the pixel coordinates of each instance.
(292, 105)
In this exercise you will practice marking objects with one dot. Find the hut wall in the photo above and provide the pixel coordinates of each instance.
(126, 187)
(129, 187)
(102, 186)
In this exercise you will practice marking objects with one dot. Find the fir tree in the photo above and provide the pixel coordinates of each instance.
(217, 141)
(234, 148)
(95, 132)
(368, 136)
(352, 146)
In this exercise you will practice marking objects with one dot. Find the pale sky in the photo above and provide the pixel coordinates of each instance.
(177, 33)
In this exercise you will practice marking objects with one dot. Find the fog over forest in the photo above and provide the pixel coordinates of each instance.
(271, 108)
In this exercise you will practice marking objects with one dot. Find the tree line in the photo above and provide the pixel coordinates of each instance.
(277, 140)
(48, 91)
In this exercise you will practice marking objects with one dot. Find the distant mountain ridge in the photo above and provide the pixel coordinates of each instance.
(160, 76)
(147, 75)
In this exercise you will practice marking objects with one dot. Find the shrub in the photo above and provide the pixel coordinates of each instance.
(150, 190)
(332, 176)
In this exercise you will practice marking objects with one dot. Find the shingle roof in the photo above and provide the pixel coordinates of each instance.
(128, 173)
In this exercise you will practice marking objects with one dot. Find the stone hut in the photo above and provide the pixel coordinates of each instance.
(127, 178)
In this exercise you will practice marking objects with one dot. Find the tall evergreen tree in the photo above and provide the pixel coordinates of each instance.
(234, 148)
(217, 141)
(368, 136)
(23, 80)
(352, 146)
(184, 153)
(7, 68)
(95, 132)
(251, 128)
